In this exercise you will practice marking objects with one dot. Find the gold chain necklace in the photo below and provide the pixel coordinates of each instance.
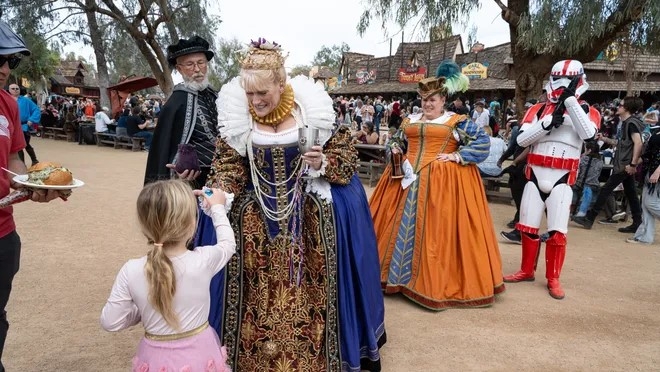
(283, 109)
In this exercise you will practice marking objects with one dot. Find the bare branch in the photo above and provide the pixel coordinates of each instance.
(64, 32)
(508, 15)
(62, 22)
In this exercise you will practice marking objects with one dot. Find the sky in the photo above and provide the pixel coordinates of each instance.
(302, 36)
(302, 27)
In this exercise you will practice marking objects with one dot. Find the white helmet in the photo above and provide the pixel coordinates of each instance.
(561, 76)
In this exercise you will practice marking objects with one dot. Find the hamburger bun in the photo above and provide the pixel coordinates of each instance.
(59, 177)
(50, 173)
(43, 165)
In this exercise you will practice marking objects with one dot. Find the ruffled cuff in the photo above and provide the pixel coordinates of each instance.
(217, 208)
(313, 173)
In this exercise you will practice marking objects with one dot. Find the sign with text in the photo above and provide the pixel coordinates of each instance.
(72, 90)
(408, 75)
(365, 77)
(475, 70)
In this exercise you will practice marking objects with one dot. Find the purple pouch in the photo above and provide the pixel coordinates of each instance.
(186, 158)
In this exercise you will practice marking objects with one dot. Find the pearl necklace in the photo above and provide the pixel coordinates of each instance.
(276, 214)
(283, 109)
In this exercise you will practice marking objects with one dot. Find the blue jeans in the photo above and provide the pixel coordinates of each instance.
(586, 196)
(147, 137)
(650, 211)
(10, 257)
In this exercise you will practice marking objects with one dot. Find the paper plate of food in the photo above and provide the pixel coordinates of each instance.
(48, 175)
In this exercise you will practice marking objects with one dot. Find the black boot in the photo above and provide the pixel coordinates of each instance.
(33, 155)
(512, 236)
(587, 221)
(630, 229)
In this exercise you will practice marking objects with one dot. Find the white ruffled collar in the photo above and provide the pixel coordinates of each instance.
(235, 123)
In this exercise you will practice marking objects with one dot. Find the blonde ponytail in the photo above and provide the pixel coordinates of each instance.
(167, 212)
(162, 284)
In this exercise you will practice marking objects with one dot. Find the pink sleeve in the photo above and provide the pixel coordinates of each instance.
(120, 312)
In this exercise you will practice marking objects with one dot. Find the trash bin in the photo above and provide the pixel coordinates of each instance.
(88, 136)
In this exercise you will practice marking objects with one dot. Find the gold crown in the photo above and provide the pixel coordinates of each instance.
(263, 55)
(430, 86)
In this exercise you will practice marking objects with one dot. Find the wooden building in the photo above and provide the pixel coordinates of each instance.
(71, 78)
(399, 73)
(490, 70)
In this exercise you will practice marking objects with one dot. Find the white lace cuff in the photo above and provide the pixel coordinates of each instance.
(321, 187)
(311, 172)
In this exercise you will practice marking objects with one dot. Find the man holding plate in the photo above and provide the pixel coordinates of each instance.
(12, 48)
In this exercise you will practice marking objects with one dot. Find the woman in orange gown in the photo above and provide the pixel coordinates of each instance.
(436, 241)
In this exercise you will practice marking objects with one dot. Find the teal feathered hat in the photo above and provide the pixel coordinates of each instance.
(455, 81)
(447, 81)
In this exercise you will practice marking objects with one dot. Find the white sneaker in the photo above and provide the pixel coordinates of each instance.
(619, 216)
(635, 241)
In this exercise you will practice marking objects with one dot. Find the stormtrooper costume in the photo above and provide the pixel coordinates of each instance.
(554, 131)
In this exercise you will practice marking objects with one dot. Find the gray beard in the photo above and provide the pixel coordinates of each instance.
(196, 86)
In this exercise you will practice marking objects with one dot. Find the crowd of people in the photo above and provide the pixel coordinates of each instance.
(263, 249)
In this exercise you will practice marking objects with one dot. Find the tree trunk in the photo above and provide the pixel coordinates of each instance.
(146, 43)
(529, 69)
(530, 74)
(99, 52)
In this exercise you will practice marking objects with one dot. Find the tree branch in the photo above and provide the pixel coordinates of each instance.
(618, 22)
(76, 33)
(62, 21)
(508, 15)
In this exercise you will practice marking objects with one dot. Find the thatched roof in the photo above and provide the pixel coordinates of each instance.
(324, 73)
(66, 72)
(495, 56)
(426, 54)
(383, 87)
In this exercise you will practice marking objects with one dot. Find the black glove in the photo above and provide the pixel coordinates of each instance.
(557, 118)
(568, 92)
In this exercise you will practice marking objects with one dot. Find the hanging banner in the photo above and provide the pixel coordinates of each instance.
(365, 77)
(475, 70)
(406, 75)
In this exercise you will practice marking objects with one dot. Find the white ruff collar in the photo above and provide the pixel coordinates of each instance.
(235, 123)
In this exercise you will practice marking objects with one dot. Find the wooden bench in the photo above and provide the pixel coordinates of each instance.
(370, 172)
(118, 142)
(494, 183)
(106, 138)
(133, 143)
(493, 186)
(58, 133)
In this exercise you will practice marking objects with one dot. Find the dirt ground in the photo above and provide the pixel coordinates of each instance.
(609, 320)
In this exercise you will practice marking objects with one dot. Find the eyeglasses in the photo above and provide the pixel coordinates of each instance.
(10, 88)
(191, 65)
(13, 61)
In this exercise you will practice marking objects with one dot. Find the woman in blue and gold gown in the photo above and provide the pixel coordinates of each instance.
(436, 242)
(302, 293)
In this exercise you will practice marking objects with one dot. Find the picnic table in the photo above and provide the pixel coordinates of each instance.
(371, 162)
(372, 152)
